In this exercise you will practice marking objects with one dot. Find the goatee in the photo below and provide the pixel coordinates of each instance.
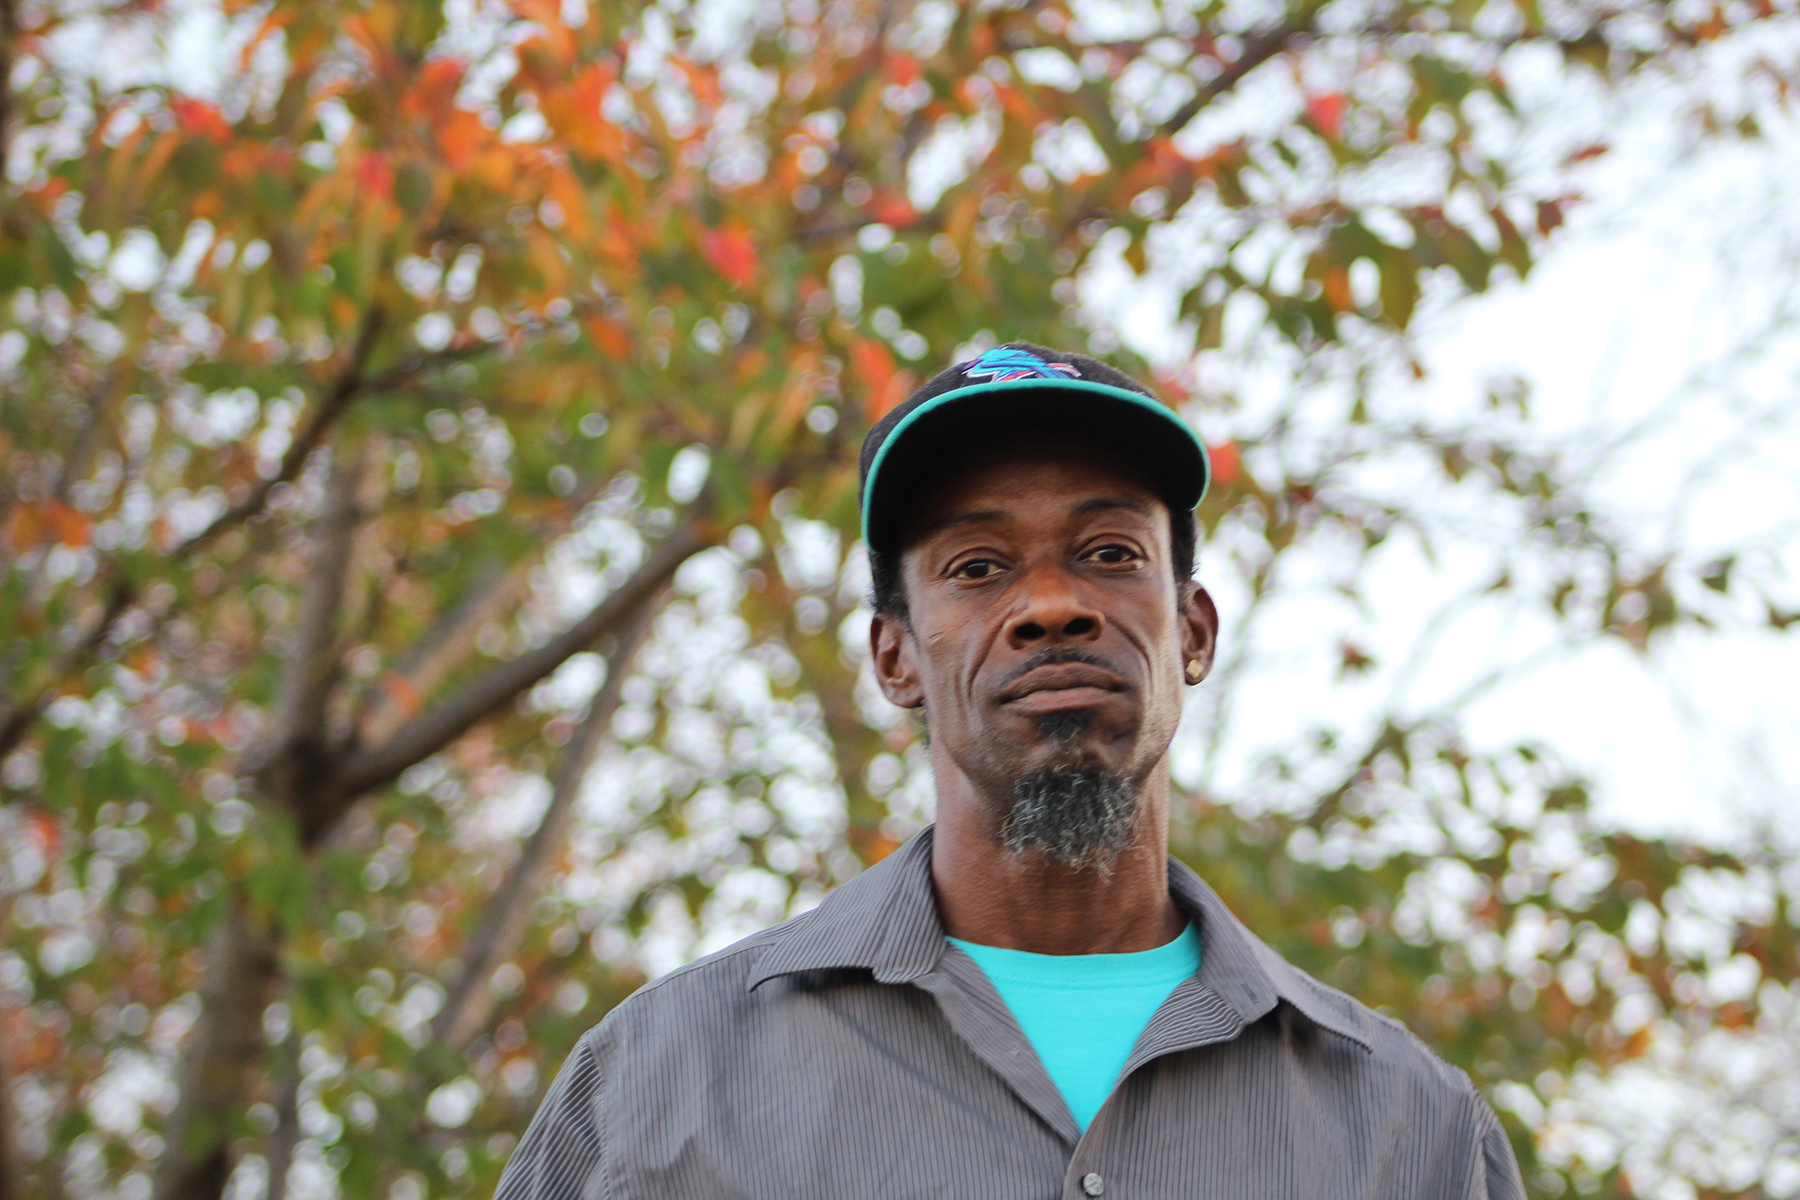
(1078, 816)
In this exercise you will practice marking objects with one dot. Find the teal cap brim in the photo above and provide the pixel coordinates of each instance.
(1135, 426)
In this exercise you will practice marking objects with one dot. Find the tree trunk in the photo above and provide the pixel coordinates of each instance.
(225, 1049)
(242, 966)
(287, 1114)
(9, 1164)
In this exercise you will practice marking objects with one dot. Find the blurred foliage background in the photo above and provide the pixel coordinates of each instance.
(428, 591)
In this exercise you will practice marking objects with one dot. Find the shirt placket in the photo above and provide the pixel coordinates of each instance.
(979, 1017)
(1193, 1016)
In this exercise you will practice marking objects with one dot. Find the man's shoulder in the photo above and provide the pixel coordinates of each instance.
(1390, 1047)
(716, 982)
(1381, 1044)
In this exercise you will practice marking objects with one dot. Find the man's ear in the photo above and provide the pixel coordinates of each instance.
(896, 669)
(1199, 635)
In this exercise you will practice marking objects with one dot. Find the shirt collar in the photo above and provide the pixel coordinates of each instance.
(885, 921)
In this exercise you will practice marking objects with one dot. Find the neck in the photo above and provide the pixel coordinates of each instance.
(993, 896)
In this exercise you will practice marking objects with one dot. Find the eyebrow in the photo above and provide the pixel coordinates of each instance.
(965, 518)
(1102, 503)
(983, 515)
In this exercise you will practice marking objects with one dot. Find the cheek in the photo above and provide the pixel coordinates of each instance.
(1162, 647)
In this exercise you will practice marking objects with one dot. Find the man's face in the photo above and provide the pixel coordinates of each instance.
(1048, 630)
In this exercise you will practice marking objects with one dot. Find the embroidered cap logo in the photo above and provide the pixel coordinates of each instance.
(1004, 364)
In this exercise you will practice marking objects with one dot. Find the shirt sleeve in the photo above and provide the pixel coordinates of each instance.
(1496, 1171)
(563, 1151)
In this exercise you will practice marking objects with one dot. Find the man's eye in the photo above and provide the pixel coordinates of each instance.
(1115, 554)
(976, 568)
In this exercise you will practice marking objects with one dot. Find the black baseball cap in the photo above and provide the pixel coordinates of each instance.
(1021, 388)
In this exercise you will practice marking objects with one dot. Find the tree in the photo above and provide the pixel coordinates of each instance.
(431, 411)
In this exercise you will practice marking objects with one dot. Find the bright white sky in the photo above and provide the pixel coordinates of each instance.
(1651, 294)
(1668, 304)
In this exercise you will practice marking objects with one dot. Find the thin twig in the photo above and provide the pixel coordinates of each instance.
(1258, 49)
(503, 920)
(350, 384)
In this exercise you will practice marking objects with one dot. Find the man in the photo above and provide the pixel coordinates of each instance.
(1030, 999)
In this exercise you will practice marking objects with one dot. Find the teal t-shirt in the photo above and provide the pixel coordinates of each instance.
(1083, 1012)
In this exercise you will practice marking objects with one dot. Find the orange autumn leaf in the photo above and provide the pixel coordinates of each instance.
(618, 240)
(609, 336)
(1336, 285)
(434, 95)
(71, 526)
(573, 112)
(704, 80)
(885, 385)
(1017, 105)
(566, 190)
(24, 528)
(459, 136)
(30, 524)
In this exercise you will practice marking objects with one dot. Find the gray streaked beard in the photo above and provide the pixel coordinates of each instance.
(1078, 816)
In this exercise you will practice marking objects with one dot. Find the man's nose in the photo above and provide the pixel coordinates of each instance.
(1053, 611)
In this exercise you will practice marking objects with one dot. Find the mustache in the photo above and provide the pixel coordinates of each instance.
(1051, 655)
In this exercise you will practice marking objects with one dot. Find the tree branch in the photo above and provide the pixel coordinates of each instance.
(351, 383)
(429, 661)
(419, 739)
(504, 917)
(1258, 49)
(436, 654)
(17, 716)
(296, 756)
(9, 38)
(10, 1187)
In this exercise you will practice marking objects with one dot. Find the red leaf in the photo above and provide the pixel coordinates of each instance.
(903, 69)
(402, 692)
(892, 209)
(731, 254)
(1326, 113)
(199, 117)
(375, 175)
(49, 834)
(1227, 463)
(1549, 215)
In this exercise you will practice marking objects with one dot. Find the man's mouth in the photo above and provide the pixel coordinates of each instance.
(1058, 687)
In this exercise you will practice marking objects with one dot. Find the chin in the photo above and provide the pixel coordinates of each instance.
(1065, 755)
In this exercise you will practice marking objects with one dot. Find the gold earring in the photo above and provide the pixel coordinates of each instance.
(1195, 672)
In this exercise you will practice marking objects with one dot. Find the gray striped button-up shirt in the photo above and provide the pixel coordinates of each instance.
(852, 1052)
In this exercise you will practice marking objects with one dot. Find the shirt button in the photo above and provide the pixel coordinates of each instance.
(1092, 1184)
